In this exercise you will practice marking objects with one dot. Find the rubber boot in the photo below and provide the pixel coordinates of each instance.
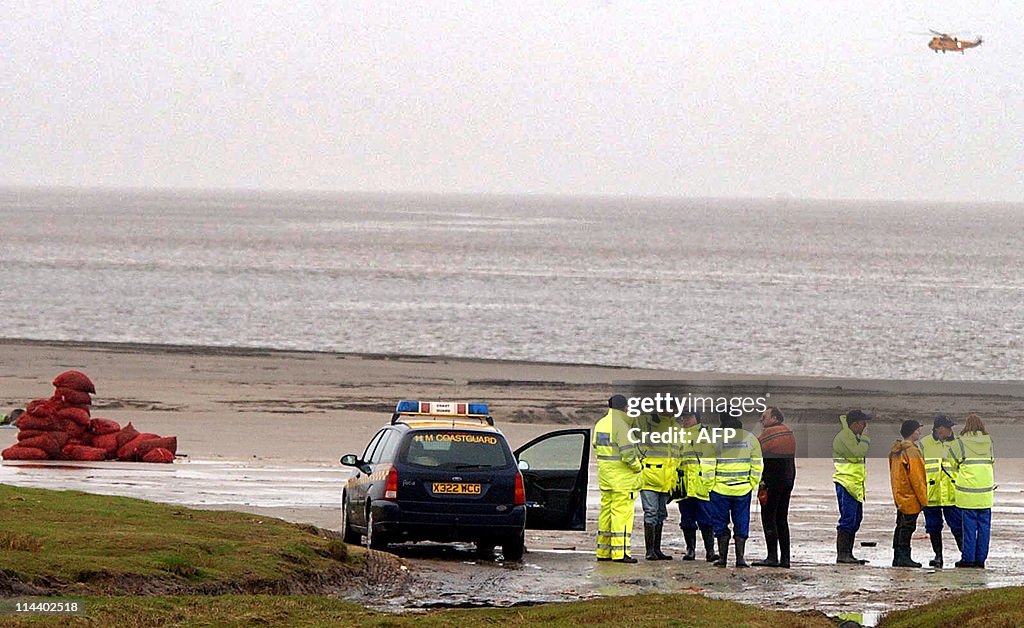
(784, 554)
(937, 548)
(773, 557)
(709, 545)
(657, 542)
(741, 545)
(902, 557)
(959, 538)
(691, 544)
(844, 549)
(723, 550)
(649, 543)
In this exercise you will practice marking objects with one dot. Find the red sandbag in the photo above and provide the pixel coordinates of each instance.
(72, 397)
(23, 453)
(27, 434)
(50, 442)
(159, 455)
(108, 443)
(83, 452)
(75, 380)
(38, 423)
(100, 426)
(126, 435)
(40, 407)
(73, 429)
(128, 451)
(169, 443)
(74, 414)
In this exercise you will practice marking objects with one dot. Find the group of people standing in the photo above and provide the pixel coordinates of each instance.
(948, 478)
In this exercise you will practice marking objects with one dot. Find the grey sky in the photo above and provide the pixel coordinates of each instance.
(812, 98)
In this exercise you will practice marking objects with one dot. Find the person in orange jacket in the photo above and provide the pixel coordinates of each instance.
(909, 490)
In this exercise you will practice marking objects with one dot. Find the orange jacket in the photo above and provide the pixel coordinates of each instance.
(906, 473)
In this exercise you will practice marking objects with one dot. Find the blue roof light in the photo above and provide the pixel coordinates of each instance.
(406, 405)
(479, 408)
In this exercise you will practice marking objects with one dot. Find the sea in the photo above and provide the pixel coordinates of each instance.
(782, 286)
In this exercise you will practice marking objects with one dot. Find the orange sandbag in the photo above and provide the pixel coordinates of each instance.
(23, 453)
(158, 455)
(169, 443)
(32, 422)
(127, 433)
(128, 450)
(27, 434)
(40, 407)
(100, 426)
(50, 442)
(74, 414)
(75, 380)
(106, 442)
(73, 429)
(83, 452)
(72, 397)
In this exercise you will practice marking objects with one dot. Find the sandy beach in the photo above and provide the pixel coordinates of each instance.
(262, 431)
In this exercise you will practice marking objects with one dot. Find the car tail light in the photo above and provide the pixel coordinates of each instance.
(391, 484)
(520, 496)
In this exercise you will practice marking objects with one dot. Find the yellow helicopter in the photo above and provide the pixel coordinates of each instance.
(946, 42)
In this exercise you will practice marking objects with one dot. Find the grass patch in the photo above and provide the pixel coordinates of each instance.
(58, 538)
(655, 611)
(985, 608)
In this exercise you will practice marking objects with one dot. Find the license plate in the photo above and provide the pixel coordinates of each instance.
(455, 488)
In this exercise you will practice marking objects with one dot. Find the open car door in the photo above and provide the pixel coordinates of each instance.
(555, 468)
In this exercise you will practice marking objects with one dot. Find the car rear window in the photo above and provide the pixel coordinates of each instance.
(455, 450)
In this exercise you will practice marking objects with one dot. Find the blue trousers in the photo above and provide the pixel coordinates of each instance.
(851, 511)
(735, 506)
(977, 525)
(695, 513)
(933, 519)
(655, 507)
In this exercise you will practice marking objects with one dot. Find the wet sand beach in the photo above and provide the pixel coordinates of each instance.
(262, 432)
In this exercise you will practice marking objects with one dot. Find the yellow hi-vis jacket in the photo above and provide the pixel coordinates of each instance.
(618, 461)
(739, 464)
(698, 460)
(940, 480)
(848, 455)
(659, 459)
(971, 456)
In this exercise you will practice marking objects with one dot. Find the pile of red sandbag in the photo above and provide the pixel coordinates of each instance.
(62, 428)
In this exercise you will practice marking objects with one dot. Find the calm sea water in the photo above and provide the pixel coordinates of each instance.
(799, 287)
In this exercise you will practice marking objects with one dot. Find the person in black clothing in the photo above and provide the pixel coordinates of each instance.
(778, 446)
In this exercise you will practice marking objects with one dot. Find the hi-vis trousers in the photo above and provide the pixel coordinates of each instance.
(615, 524)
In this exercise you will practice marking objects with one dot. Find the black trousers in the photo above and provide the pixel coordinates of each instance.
(775, 517)
(905, 526)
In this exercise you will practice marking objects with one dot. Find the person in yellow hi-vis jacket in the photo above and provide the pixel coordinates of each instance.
(849, 453)
(658, 478)
(697, 474)
(618, 477)
(972, 462)
(941, 494)
(737, 473)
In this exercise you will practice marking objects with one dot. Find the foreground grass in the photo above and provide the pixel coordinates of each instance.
(985, 608)
(231, 610)
(68, 540)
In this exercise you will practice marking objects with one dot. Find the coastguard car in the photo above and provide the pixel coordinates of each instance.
(441, 471)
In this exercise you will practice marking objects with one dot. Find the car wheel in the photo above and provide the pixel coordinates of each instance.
(348, 534)
(374, 539)
(485, 549)
(514, 547)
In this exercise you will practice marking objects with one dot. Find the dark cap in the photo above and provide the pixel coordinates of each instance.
(617, 402)
(942, 421)
(909, 427)
(857, 415)
(693, 413)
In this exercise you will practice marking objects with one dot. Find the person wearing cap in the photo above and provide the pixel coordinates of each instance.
(972, 461)
(778, 446)
(941, 494)
(658, 478)
(738, 467)
(849, 453)
(618, 477)
(909, 490)
(697, 476)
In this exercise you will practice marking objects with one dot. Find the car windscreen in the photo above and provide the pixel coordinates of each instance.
(456, 450)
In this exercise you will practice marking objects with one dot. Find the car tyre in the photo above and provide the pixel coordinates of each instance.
(374, 538)
(348, 534)
(513, 548)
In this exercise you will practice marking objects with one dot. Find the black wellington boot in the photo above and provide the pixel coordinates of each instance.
(773, 557)
(844, 549)
(937, 548)
(649, 543)
(741, 545)
(709, 545)
(657, 542)
(691, 544)
(723, 550)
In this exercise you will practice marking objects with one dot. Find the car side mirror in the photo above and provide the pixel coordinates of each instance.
(524, 465)
(350, 460)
